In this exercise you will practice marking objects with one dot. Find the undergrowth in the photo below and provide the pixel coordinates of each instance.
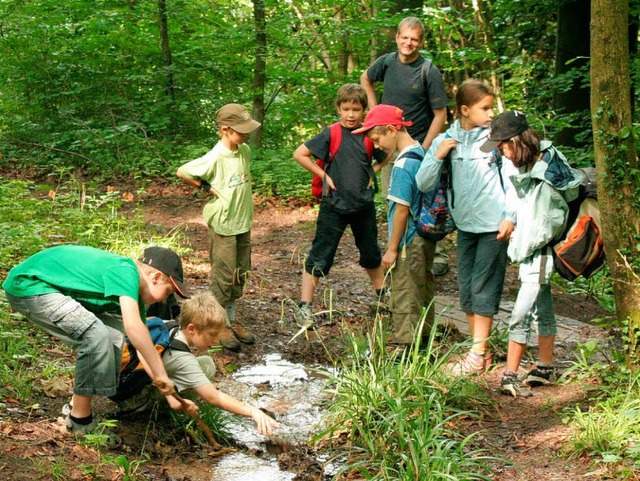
(396, 414)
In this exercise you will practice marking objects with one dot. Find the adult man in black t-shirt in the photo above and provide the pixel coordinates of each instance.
(416, 86)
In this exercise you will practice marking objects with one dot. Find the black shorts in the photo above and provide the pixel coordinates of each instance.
(329, 229)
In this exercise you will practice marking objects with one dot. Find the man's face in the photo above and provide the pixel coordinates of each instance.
(409, 42)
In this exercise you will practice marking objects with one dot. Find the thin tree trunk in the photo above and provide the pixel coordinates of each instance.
(616, 162)
(260, 69)
(167, 62)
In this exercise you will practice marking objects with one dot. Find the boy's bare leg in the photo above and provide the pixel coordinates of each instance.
(377, 277)
(81, 406)
(309, 284)
(545, 345)
(515, 353)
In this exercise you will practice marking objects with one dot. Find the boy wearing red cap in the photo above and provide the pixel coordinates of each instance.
(224, 173)
(409, 257)
(73, 293)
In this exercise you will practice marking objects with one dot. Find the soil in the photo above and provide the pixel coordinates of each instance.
(527, 433)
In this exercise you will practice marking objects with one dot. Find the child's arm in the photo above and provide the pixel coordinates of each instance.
(377, 167)
(198, 183)
(139, 336)
(210, 394)
(304, 157)
(400, 219)
(188, 406)
(429, 171)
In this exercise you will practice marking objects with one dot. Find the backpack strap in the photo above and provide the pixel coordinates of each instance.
(335, 139)
(175, 344)
(426, 66)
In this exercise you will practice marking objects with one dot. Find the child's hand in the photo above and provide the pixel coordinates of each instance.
(329, 182)
(445, 146)
(389, 259)
(164, 385)
(265, 423)
(504, 230)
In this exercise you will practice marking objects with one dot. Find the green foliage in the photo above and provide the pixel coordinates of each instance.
(608, 431)
(398, 411)
(131, 469)
(598, 287)
(71, 213)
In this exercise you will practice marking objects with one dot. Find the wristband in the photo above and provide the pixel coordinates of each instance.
(204, 185)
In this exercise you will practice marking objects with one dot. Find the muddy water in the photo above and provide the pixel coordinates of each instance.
(294, 394)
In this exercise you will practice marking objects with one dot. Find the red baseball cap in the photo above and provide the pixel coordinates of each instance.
(383, 115)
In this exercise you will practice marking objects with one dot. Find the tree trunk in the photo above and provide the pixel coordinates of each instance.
(616, 162)
(166, 57)
(260, 70)
(572, 52)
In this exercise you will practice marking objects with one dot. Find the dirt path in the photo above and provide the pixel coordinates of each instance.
(526, 432)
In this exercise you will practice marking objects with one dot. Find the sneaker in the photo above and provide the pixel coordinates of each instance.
(80, 429)
(304, 316)
(440, 268)
(472, 363)
(513, 386)
(137, 403)
(242, 334)
(541, 376)
(228, 340)
(383, 301)
(66, 409)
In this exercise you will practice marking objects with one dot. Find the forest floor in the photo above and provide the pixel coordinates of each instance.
(528, 433)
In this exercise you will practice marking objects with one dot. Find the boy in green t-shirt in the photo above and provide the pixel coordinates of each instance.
(78, 294)
(223, 172)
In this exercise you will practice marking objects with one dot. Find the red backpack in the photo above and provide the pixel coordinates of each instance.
(335, 138)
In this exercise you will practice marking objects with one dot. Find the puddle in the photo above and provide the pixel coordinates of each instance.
(294, 394)
(241, 467)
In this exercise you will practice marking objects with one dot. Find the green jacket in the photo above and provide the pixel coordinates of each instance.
(543, 193)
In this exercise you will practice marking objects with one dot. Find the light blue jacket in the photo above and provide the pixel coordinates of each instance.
(544, 192)
(479, 201)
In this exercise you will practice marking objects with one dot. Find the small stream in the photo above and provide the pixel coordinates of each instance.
(294, 394)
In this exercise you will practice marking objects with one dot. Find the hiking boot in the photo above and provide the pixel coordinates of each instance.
(541, 376)
(231, 311)
(472, 363)
(440, 268)
(511, 385)
(228, 340)
(304, 316)
(242, 334)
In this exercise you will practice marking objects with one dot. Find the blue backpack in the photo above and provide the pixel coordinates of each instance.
(133, 377)
(434, 220)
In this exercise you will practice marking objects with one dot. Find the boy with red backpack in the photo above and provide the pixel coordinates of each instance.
(347, 196)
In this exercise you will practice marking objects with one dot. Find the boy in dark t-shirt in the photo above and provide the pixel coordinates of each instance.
(347, 200)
